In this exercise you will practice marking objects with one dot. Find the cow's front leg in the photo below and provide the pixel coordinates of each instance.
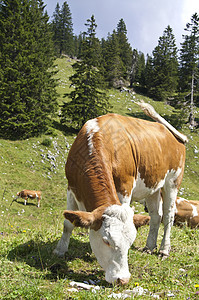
(62, 246)
(155, 212)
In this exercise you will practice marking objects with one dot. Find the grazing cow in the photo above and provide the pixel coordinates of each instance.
(115, 159)
(25, 194)
(140, 220)
(187, 211)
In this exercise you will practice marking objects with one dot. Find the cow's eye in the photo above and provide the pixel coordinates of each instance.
(106, 242)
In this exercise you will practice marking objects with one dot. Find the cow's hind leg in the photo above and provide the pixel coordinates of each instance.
(169, 195)
(62, 246)
(155, 212)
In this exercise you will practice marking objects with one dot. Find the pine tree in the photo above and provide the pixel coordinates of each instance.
(27, 90)
(125, 48)
(189, 70)
(134, 67)
(78, 41)
(91, 47)
(140, 76)
(117, 55)
(138, 68)
(56, 28)
(67, 30)
(112, 62)
(165, 67)
(87, 99)
(149, 73)
(62, 28)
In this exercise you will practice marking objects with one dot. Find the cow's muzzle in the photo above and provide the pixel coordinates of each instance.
(122, 281)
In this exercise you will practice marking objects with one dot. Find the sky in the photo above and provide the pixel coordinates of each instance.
(145, 20)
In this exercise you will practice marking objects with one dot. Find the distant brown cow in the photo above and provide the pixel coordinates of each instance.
(187, 211)
(140, 220)
(25, 194)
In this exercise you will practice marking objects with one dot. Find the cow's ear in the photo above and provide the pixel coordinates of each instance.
(79, 218)
(84, 219)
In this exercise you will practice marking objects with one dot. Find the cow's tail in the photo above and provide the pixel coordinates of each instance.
(150, 111)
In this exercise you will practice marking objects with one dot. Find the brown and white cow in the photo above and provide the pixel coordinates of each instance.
(113, 160)
(187, 211)
(25, 194)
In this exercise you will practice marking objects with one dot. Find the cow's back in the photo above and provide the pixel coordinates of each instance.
(111, 151)
(140, 148)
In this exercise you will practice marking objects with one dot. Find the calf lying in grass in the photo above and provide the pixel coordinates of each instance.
(187, 211)
(28, 194)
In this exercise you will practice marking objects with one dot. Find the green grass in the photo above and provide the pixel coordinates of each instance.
(28, 235)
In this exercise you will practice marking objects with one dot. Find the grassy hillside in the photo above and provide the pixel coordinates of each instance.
(28, 235)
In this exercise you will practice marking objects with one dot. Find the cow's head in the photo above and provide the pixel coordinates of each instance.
(111, 235)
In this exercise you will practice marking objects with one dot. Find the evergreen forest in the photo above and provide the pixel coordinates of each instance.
(30, 44)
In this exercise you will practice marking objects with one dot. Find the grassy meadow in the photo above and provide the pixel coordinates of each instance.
(28, 235)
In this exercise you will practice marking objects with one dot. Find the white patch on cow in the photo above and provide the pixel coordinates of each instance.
(180, 200)
(176, 210)
(141, 191)
(125, 198)
(91, 128)
(111, 242)
(160, 210)
(73, 203)
(170, 185)
(173, 174)
(194, 212)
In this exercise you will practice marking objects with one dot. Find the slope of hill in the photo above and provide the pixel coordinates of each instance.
(28, 234)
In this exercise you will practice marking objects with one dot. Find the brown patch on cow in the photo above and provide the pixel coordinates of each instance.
(140, 220)
(90, 176)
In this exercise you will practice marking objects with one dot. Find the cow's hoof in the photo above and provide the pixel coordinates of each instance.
(59, 254)
(163, 255)
(145, 249)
